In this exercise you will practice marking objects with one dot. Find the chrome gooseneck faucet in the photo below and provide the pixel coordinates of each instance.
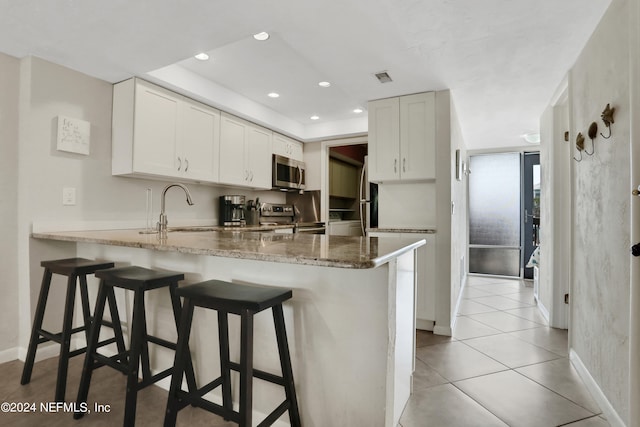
(162, 224)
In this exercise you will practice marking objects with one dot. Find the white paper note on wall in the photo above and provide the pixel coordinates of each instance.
(73, 135)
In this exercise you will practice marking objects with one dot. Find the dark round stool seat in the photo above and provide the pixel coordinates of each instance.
(245, 301)
(139, 280)
(76, 270)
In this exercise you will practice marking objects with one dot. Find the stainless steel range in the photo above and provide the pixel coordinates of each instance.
(278, 214)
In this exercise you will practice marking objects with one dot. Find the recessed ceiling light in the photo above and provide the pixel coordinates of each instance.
(324, 84)
(202, 56)
(357, 110)
(532, 138)
(262, 36)
(314, 117)
(273, 95)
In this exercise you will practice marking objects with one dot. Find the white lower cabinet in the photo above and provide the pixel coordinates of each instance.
(426, 277)
(345, 228)
(245, 153)
(158, 132)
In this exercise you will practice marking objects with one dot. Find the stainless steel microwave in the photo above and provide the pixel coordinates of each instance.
(288, 173)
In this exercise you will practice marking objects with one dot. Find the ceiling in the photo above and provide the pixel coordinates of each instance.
(502, 59)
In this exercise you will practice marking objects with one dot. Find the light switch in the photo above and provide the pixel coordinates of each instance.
(68, 196)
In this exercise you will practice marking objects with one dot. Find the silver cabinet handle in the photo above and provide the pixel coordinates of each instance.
(395, 165)
(179, 163)
(404, 165)
(186, 168)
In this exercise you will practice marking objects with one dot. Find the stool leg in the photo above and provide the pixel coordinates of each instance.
(37, 325)
(87, 369)
(246, 367)
(115, 321)
(181, 356)
(285, 363)
(225, 370)
(177, 309)
(135, 349)
(86, 310)
(65, 342)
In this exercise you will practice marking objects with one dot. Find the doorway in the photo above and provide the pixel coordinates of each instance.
(531, 214)
(504, 213)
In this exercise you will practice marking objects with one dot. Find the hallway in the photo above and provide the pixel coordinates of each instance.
(503, 366)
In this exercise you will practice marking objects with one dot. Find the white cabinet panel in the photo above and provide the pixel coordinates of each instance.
(418, 136)
(287, 147)
(156, 132)
(402, 134)
(245, 153)
(384, 139)
(200, 143)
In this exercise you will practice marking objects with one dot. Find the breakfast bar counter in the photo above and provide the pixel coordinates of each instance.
(351, 321)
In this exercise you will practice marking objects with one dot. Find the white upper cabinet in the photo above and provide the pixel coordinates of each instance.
(245, 153)
(402, 135)
(287, 147)
(199, 144)
(160, 133)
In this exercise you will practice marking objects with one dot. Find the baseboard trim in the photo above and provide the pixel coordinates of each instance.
(543, 310)
(8, 355)
(607, 409)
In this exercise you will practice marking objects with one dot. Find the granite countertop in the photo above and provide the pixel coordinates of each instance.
(308, 249)
(403, 230)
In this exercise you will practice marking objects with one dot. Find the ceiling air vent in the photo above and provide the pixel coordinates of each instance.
(383, 77)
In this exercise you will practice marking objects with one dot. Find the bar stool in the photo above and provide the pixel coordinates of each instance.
(246, 301)
(74, 269)
(139, 280)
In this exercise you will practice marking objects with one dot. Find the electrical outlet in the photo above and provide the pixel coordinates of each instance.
(68, 196)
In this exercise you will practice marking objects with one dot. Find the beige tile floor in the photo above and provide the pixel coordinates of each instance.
(503, 367)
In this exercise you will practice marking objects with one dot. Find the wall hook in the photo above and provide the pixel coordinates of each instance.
(592, 133)
(607, 118)
(579, 146)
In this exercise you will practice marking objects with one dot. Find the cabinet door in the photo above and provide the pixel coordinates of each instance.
(232, 151)
(259, 157)
(350, 180)
(200, 142)
(384, 140)
(418, 136)
(287, 147)
(156, 126)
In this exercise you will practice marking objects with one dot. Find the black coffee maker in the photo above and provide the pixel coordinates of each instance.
(232, 211)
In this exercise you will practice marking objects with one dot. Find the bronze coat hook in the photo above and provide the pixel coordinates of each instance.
(593, 133)
(607, 118)
(579, 146)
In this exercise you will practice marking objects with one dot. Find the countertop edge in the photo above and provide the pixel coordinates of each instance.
(301, 260)
(403, 230)
(386, 258)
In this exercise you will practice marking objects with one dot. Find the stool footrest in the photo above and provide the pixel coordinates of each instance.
(162, 342)
(265, 376)
(185, 399)
(284, 407)
(50, 336)
(155, 378)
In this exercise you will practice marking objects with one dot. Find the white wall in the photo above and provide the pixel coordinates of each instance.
(599, 332)
(9, 72)
(555, 210)
(49, 90)
(458, 215)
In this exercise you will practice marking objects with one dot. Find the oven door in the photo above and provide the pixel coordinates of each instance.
(288, 173)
